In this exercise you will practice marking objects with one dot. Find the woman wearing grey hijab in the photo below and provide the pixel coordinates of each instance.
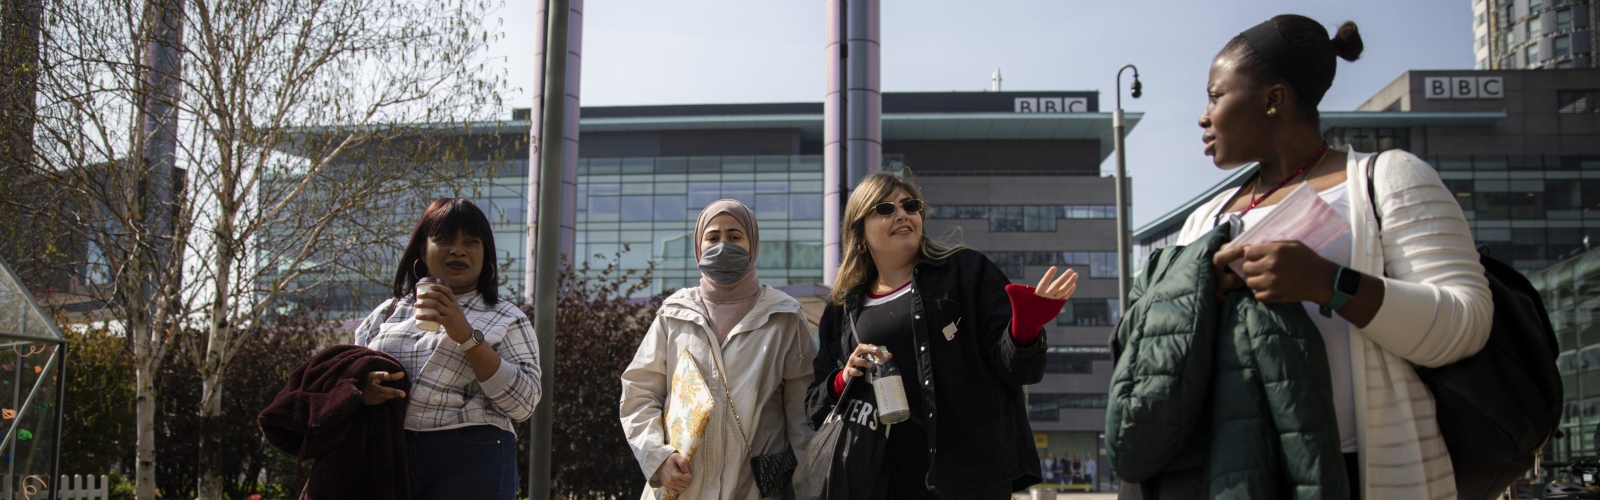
(722, 374)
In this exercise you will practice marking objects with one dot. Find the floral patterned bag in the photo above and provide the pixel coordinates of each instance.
(689, 407)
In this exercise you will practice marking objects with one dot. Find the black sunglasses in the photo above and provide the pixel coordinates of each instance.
(912, 205)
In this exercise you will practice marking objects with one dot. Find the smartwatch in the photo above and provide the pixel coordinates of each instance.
(1345, 285)
(473, 341)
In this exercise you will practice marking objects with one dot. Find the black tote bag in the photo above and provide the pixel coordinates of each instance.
(845, 458)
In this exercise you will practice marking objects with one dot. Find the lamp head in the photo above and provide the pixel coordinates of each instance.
(1138, 89)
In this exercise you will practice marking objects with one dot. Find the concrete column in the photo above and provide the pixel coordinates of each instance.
(865, 143)
(569, 164)
(833, 146)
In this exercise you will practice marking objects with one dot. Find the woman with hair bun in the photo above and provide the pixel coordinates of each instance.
(1408, 291)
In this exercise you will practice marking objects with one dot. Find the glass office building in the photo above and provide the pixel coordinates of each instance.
(1001, 173)
(1525, 169)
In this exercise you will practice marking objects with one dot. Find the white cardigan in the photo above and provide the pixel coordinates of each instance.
(1436, 310)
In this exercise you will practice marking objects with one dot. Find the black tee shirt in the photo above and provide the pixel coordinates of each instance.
(888, 324)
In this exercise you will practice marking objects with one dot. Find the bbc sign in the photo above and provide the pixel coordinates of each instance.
(1464, 87)
(1051, 105)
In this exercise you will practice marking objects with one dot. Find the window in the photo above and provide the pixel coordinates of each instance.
(1534, 5)
(1577, 101)
(1089, 312)
(1562, 46)
(1482, 41)
(1535, 28)
(1481, 18)
(1074, 359)
(1533, 54)
(1044, 407)
(1564, 65)
(1563, 20)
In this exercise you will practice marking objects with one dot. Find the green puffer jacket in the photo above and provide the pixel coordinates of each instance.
(1210, 400)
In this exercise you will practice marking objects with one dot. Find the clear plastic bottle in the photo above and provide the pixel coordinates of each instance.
(891, 393)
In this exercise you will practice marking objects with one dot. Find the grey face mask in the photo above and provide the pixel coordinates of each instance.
(724, 262)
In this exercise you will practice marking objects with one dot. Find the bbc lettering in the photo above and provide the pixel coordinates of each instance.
(1051, 105)
(1464, 87)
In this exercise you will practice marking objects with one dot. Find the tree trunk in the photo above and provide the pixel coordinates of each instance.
(145, 414)
(219, 344)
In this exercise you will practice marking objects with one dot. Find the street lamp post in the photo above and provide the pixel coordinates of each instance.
(1123, 235)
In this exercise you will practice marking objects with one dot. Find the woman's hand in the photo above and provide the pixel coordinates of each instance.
(375, 393)
(673, 474)
(1278, 272)
(448, 313)
(858, 364)
(1060, 288)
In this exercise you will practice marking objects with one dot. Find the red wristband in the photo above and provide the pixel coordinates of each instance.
(838, 383)
(1029, 313)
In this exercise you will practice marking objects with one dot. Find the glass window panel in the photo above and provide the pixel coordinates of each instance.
(671, 165)
(774, 255)
(671, 207)
(1454, 162)
(633, 184)
(805, 255)
(1005, 219)
(605, 166)
(1103, 265)
(1031, 218)
(638, 165)
(805, 207)
(772, 206)
(772, 187)
(637, 256)
(1563, 19)
(637, 208)
(705, 165)
(772, 163)
(1562, 46)
(605, 189)
(603, 206)
(703, 193)
(812, 163)
(743, 191)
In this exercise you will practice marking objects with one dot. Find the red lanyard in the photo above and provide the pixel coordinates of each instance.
(1313, 161)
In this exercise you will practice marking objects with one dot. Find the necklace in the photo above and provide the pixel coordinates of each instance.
(1315, 159)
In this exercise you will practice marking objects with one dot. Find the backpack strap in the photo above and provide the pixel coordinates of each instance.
(1372, 190)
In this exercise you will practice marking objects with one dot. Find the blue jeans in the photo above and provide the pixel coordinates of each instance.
(476, 463)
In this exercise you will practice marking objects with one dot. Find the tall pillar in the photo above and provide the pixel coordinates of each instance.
(569, 156)
(865, 144)
(833, 146)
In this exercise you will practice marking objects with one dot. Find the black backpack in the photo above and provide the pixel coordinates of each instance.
(1497, 409)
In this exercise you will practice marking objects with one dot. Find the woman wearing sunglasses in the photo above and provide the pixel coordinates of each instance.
(964, 339)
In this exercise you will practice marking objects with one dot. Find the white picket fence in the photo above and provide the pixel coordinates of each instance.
(69, 488)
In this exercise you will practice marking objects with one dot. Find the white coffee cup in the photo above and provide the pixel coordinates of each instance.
(427, 305)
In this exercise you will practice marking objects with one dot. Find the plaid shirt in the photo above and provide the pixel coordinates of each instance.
(445, 393)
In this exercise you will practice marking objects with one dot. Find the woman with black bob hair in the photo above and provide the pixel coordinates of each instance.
(472, 357)
(1385, 296)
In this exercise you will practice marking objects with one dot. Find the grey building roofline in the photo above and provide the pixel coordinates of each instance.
(1343, 119)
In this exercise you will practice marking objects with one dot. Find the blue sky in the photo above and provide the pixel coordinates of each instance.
(717, 51)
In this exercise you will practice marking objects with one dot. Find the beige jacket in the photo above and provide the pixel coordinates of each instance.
(768, 359)
(1436, 310)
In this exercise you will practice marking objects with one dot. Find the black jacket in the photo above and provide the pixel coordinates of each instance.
(976, 416)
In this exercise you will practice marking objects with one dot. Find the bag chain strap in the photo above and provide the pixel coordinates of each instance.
(716, 361)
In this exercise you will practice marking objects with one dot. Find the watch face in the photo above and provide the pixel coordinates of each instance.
(1349, 281)
(477, 335)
